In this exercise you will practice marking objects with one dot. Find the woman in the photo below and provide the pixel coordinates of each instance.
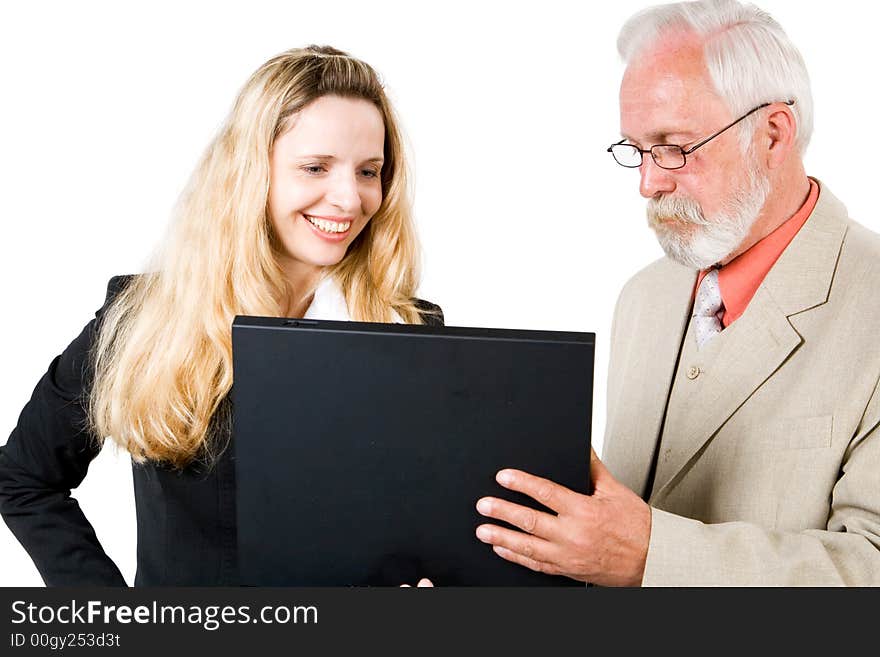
(298, 208)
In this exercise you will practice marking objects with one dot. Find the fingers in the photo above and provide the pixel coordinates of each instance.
(529, 547)
(425, 582)
(537, 566)
(529, 520)
(548, 493)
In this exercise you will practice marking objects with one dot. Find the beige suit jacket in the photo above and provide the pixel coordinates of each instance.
(774, 478)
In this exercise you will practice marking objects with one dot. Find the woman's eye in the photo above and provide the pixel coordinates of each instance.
(370, 173)
(313, 169)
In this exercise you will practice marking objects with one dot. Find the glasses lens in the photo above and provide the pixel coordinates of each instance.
(668, 157)
(627, 155)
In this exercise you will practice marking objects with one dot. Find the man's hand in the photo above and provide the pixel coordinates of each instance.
(600, 538)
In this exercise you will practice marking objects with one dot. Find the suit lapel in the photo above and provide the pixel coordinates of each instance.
(759, 342)
(661, 318)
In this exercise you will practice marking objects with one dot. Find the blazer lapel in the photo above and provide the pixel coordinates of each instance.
(760, 341)
(660, 318)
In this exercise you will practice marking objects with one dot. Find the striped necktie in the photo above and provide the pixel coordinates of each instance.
(708, 309)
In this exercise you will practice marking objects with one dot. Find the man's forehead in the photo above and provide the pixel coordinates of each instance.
(672, 59)
(656, 123)
(670, 93)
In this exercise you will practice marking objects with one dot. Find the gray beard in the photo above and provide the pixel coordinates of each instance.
(697, 241)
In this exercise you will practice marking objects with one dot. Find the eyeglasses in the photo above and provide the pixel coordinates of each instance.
(668, 156)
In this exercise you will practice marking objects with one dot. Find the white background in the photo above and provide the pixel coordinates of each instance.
(508, 106)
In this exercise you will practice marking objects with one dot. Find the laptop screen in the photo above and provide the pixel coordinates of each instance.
(361, 449)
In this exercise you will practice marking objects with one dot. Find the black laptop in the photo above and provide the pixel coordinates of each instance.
(361, 449)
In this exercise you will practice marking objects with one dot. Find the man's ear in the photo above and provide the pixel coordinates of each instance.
(781, 135)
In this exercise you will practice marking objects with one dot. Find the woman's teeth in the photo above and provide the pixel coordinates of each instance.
(328, 226)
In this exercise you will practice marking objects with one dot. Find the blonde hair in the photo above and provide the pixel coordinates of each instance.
(163, 360)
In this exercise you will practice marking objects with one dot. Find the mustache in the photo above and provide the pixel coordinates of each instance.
(680, 208)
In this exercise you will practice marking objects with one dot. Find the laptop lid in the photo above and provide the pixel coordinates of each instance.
(361, 449)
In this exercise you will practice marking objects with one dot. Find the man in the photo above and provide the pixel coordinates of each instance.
(744, 379)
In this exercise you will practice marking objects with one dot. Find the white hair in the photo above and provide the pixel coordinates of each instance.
(750, 58)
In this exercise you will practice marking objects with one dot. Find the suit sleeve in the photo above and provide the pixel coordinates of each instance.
(684, 551)
(47, 455)
(431, 313)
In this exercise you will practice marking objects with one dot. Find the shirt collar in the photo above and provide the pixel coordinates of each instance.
(329, 303)
(741, 277)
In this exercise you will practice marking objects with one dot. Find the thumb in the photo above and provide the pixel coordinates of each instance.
(599, 474)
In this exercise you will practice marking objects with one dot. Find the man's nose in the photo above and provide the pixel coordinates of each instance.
(654, 179)
(344, 193)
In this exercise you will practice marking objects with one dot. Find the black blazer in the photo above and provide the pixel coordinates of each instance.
(185, 518)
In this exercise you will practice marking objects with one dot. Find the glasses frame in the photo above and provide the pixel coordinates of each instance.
(684, 153)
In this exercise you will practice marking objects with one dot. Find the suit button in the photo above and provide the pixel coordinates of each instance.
(693, 372)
